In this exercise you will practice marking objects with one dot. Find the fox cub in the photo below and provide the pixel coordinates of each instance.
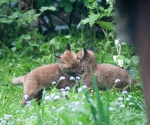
(42, 77)
(107, 75)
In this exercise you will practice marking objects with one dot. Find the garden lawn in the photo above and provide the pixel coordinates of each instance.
(118, 108)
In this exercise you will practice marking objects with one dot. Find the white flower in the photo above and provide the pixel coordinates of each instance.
(64, 93)
(62, 89)
(7, 116)
(118, 103)
(124, 92)
(84, 86)
(111, 109)
(129, 96)
(79, 89)
(54, 82)
(78, 77)
(47, 98)
(90, 100)
(67, 88)
(56, 97)
(131, 103)
(62, 78)
(117, 80)
(122, 106)
(120, 63)
(115, 58)
(26, 96)
(28, 103)
(127, 99)
(116, 42)
(53, 107)
(73, 109)
(77, 103)
(44, 92)
(120, 98)
(83, 96)
(72, 78)
(56, 118)
(123, 43)
(61, 108)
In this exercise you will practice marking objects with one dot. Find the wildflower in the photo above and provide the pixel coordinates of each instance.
(79, 89)
(77, 103)
(129, 96)
(72, 78)
(26, 96)
(124, 92)
(44, 92)
(54, 82)
(120, 63)
(47, 98)
(117, 80)
(131, 103)
(116, 42)
(62, 78)
(62, 89)
(64, 93)
(56, 118)
(67, 88)
(122, 106)
(115, 58)
(127, 99)
(7, 116)
(120, 98)
(61, 108)
(73, 109)
(118, 103)
(78, 78)
(3, 122)
(90, 100)
(83, 97)
(56, 97)
(111, 109)
(84, 86)
(28, 103)
(53, 107)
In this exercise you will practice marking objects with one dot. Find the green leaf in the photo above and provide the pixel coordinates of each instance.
(52, 8)
(106, 25)
(93, 18)
(106, 45)
(135, 60)
(68, 8)
(18, 44)
(83, 22)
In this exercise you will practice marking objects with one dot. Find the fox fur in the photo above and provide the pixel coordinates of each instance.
(42, 77)
(107, 75)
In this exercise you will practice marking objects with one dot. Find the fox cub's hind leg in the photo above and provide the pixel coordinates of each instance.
(31, 89)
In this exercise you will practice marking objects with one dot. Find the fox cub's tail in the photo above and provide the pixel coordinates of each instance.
(18, 80)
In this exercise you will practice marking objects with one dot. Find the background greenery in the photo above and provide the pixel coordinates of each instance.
(32, 32)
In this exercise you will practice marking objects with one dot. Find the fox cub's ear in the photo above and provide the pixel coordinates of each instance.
(59, 59)
(68, 47)
(84, 52)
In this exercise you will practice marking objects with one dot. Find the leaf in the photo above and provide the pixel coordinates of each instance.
(18, 44)
(106, 45)
(93, 18)
(106, 25)
(52, 8)
(83, 22)
(135, 60)
(68, 8)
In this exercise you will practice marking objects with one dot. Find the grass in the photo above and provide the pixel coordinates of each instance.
(82, 108)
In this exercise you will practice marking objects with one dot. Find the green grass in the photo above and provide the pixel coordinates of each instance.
(115, 108)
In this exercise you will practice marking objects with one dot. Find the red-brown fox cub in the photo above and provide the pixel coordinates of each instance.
(42, 77)
(107, 75)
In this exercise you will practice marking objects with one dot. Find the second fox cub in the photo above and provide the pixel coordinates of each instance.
(68, 65)
(107, 75)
